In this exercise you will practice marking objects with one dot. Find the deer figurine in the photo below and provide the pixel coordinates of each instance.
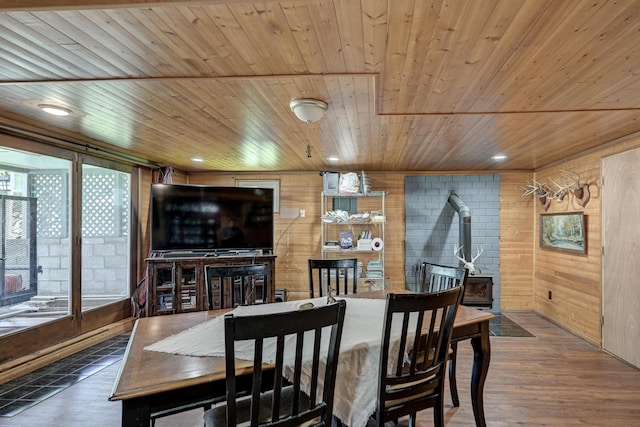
(468, 264)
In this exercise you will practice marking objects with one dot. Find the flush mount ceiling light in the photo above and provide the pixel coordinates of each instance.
(308, 110)
(54, 109)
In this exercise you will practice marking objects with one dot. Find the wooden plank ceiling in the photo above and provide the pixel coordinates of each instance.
(412, 85)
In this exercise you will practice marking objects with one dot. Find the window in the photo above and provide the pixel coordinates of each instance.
(105, 235)
(36, 258)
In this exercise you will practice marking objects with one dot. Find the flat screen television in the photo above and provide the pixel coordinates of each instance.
(198, 218)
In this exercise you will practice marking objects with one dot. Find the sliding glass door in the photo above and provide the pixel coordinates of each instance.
(65, 245)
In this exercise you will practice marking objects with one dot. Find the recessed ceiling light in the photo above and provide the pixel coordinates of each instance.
(499, 157)
(333, 158)
(54, 110)
(197, 159)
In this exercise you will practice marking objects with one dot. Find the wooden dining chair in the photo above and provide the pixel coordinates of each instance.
(409, 385)
(293, 367)
(437, 278)
(335, 273)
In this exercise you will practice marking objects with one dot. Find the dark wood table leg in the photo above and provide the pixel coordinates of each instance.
(481, 356)
(136, 413)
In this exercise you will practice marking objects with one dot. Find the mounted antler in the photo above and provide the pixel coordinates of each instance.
(558, 195)
(570, 183)
(468, 264)
(580, 190)
(541, 190)
(537, 188)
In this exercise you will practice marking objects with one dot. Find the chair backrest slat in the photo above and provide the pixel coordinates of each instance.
(315, 365)
(278, 379)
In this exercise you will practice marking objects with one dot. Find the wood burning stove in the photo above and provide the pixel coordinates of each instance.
(478, 291)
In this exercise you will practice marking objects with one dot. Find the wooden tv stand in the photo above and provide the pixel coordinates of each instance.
(177, 283)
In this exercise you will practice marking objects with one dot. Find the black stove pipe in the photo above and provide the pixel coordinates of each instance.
(464, 215)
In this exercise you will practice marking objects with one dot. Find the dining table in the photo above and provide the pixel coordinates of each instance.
(170, 366)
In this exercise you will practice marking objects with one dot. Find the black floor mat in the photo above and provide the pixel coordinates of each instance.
(502, 326)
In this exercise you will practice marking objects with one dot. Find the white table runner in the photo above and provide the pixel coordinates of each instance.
(357, 373)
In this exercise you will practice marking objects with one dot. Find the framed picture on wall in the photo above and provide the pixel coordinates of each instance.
(563, 232)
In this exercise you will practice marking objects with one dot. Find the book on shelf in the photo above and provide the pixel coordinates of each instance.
(332, 245)
(188, 299)
(375, 270)
(165, 301)
(374, 275)
(365, 234)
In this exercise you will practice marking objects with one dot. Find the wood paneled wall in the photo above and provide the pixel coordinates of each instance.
(516, 243)
(575, 280)
(572, 279)
(528, 273)
(145, 177)
(299, 239)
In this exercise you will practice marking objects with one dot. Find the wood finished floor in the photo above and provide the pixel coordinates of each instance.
(551, 379)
